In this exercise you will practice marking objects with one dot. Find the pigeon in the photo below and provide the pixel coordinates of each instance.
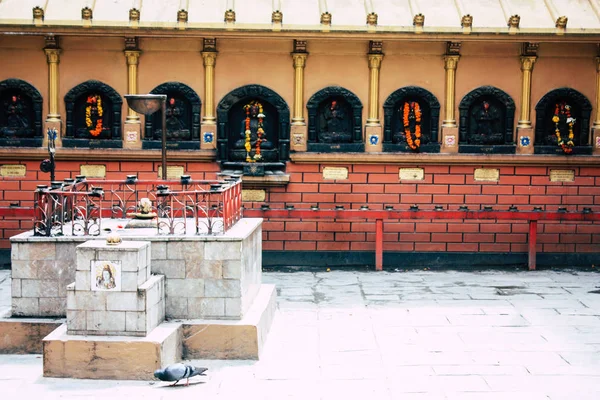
(177, 372)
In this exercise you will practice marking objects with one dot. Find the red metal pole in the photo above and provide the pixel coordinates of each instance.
(379, 245)
(532, 244)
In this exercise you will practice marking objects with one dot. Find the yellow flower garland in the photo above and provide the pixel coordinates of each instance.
(88, 114)
(564, 109)
(260, 132)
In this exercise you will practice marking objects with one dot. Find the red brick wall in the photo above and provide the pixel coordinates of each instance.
(448, 186)
(20, 190)
(376, 186)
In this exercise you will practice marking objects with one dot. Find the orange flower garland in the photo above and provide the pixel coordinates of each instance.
(564, 109)
(414, 107)
(91, 100)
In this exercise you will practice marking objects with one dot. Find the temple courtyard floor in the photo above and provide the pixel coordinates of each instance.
(388, 335)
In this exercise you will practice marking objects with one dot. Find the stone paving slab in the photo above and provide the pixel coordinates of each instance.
(421, 335)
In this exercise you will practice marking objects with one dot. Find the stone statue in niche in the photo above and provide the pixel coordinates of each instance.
(254, 136)
(410, 129)
(564, 135)
(486, 125)
(335, 124)
(17, 123)
(94, 117)
(176, 126)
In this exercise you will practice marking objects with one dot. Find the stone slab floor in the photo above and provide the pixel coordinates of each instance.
(389, 335)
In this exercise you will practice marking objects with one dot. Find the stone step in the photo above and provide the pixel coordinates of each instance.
(232, 339)
(24, 335)
(111, 357)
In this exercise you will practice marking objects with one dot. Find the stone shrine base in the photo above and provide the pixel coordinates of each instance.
(213, 305)
(24, 335)
(110, 357)
(232, 339)
(136, 358)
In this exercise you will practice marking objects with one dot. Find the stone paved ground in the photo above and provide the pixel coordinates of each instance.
(399, 335)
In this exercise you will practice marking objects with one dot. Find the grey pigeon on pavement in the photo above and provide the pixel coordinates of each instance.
(179, 371)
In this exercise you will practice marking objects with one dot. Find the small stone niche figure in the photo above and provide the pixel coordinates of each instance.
(175, 126)
(334, 126)
(254, 137)
(17, 122)
(144, 209)
(487, 127)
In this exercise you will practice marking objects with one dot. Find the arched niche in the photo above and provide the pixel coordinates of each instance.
(487, 117)
(546, 141)
(20, 114)
(334, 121)
(231, 120)
(394, 131)
(93, 116)
(183, 118)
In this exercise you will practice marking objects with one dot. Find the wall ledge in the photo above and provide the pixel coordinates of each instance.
(13, 153)
(450, 159)
(261, 182)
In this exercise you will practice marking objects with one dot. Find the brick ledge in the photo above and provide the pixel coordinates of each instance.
(460, 159)
(13, 153)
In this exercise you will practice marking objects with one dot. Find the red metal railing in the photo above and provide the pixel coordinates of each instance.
(231, 211)
(83, 203)
(532, 217)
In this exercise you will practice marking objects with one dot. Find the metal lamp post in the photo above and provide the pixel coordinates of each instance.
(48, 165)
(148, 104)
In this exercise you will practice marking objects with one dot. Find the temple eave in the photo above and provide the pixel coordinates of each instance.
(309, 32)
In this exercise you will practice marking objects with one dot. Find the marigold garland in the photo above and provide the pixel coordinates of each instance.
(260, 132)
(414, 107)
(91, 100)
(565, 110)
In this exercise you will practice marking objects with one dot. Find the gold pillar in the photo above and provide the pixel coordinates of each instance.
(528, 58)
(527, 69)
(53, 58)
(209, 56)
(449, 132)
(53, 121)
(597, 119)
(132, 57)
(373, 131)
(525, 135)
(299, 64)
(374, 67)
(299, 130)
(132, 128)
(209, 121)
(596, 125)
(210, 60)
(450, 64)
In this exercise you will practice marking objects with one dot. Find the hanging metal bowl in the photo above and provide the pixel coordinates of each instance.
(146, 104)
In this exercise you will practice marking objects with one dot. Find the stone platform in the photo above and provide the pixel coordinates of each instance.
(136, 358)
(24, 335)
(110, 357)
(206, 276)
(207, 286)
(232, 340)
